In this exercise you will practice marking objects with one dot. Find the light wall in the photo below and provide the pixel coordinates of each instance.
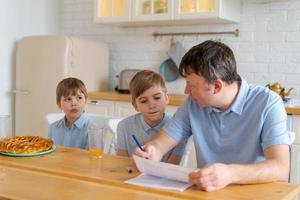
(267, 49)
(19, 18)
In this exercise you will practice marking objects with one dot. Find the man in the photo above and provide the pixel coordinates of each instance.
(239, 129)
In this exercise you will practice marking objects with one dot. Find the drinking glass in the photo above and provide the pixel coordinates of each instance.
(96, 141)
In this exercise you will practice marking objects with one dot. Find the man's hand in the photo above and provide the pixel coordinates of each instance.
(212, 177)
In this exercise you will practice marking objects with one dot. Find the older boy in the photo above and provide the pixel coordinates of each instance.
(71, 98)
(239, 129)
(149, 98)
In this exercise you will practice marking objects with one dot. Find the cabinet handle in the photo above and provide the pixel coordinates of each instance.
(94, 102)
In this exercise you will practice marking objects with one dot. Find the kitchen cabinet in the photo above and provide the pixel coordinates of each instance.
(293, 124)
(152, 10)
(101, 107)
(117, 108)
(166, 12)
(210, 10)
(112, 10)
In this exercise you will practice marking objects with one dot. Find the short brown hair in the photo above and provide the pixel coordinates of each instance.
(70, 86)
(211, 59)
(144, 80)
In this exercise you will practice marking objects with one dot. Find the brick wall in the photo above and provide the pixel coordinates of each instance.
(267, 50)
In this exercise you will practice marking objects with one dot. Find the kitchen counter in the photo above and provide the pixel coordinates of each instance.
(175, 99)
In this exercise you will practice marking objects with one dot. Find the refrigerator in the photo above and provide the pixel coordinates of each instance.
(43, 61)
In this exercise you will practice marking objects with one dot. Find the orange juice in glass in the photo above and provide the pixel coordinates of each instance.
(96, 141)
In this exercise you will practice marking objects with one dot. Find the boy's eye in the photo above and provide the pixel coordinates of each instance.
(144, 101)
(157, 98)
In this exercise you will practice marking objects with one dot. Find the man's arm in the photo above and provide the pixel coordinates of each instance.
(217, 176)
(157, 147)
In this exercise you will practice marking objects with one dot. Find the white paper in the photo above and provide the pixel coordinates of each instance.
(161, 175)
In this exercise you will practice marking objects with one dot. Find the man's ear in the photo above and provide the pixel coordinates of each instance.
(134, 105)
(167, 98)
(218, 86)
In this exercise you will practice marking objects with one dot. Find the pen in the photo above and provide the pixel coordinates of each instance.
(137, 142)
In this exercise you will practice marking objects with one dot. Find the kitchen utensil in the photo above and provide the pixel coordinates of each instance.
(276, 87)
(176, 52)
(169, 70)
(125, 77)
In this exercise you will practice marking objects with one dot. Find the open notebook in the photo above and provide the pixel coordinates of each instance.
(160, 175)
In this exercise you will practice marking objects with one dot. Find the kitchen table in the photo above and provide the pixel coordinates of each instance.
(70, 173)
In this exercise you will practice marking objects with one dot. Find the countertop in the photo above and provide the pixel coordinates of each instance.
(175, 99)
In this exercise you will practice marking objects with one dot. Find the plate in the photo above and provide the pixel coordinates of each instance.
(29, 154)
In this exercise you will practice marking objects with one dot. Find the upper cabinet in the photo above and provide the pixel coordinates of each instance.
(112, 11)
(166, 12)
(151, 10)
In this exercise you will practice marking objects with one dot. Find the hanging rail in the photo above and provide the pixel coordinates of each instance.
(235, 33)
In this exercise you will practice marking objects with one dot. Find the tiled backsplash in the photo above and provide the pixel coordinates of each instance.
(266, 51)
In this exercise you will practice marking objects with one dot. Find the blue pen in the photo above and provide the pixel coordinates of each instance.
(137, 142)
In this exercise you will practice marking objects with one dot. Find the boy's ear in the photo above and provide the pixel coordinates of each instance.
(58, 104)
(134, 105)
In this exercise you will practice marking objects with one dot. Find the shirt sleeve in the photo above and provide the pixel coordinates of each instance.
(178, 127)
(274, 130)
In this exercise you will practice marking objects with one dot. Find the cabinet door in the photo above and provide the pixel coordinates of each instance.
(152, 10)
(112, 10)
(101, 107)
(191, 9)
(295, 164)
(124, 109)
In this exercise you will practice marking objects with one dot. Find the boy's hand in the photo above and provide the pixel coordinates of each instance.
(149, 153)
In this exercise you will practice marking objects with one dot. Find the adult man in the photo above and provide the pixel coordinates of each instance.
(239, 129)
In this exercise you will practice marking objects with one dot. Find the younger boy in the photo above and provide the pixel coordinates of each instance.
(149, 98)
(71, 98)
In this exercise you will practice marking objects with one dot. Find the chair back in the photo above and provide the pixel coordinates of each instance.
(108, 122)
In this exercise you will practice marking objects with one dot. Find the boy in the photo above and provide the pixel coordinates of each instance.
(71, 98)
(149, 98)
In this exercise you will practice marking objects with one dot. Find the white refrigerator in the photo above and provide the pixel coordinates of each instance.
(43, 61)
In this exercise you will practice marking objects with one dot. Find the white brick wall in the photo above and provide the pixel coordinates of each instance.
(267, 50)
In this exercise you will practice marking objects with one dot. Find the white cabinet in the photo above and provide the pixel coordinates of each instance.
(152, 10)
(294, 125)
(117, 108)
(166, 12)
(112, 10)
(210, 10)
(101, 107)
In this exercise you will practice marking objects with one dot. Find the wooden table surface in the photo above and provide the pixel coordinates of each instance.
(69, 173)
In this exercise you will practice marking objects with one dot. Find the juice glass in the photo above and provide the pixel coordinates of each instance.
(96, 141)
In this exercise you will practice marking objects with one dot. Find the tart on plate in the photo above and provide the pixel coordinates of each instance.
(25, 144)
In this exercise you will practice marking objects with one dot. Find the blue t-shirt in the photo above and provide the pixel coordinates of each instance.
(136, 124)
(255, 121)
(75, 136)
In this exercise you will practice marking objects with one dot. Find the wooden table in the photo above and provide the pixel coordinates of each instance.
(69, 173)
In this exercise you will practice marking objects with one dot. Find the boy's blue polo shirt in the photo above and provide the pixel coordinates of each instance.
(255, 121)
(136, 124)
(75, 136)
